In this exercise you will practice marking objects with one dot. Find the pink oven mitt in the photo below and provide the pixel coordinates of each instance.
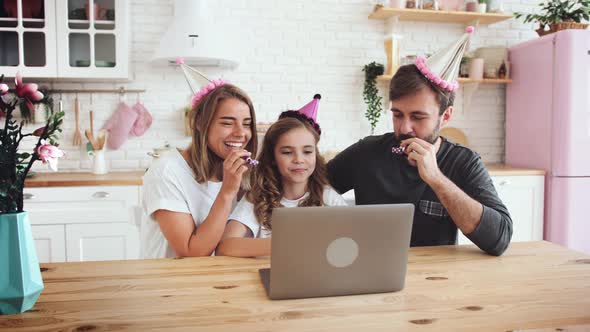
(119, 125)
(144, 120)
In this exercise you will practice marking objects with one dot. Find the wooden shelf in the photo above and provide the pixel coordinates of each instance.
(463, 80)
(485, 80)
(427, 15)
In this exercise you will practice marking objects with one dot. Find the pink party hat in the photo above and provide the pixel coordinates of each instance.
(311, 109)
(307, 113)
(442, 68)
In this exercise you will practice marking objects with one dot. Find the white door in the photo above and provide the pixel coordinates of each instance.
(28, 38)
(50, 243)
(523, 196)
(93, 39)
(97, 242)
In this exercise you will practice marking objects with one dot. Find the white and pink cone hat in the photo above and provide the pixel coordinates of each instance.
(442, 68)
(199, 84)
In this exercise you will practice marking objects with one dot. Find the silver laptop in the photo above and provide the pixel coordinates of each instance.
(344, 250)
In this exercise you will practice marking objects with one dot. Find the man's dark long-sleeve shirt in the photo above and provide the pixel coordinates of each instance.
(379, 176)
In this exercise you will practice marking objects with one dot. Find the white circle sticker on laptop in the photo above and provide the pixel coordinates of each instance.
(342, 252)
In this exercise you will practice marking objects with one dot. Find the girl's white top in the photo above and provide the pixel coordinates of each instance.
(244, 211)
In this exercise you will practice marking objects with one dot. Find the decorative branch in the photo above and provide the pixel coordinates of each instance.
(13, 171)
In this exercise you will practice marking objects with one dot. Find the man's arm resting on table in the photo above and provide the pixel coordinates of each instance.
(486, 227)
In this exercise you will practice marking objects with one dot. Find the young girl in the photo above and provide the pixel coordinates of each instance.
(188, 195)
(290, 173)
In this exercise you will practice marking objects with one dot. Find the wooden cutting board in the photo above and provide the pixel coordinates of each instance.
(454, 134)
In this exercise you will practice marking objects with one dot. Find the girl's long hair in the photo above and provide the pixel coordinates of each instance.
(204, 162)
(267, 188)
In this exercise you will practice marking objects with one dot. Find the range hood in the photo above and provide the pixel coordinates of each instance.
(194, 36)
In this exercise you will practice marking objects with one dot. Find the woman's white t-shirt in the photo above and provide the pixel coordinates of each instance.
(170, 184)
(244, 211)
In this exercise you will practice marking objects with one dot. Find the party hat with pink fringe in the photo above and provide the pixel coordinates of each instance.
(199, 84)
(442, 68)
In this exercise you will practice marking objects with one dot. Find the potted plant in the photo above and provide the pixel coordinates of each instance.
(559, 15)
(20, 277)
(371, 93)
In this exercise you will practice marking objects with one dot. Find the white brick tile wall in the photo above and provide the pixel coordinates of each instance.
(290, 49)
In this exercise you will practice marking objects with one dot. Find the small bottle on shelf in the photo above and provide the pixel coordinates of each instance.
(502, 70)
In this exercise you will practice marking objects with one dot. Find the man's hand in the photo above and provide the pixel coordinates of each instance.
(422, 155)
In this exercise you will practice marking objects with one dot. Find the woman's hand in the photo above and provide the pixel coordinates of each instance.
(234, 167)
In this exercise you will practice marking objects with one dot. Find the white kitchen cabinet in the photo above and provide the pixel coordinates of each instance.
(98, 222)
(523, 195)
(55, 39)
(104, 241)
(50, 242)
(93, 42)
(28, 40)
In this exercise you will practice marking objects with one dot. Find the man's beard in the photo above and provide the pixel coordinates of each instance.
(432, 138)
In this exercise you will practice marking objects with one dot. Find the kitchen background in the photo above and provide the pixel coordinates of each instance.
(288, 50)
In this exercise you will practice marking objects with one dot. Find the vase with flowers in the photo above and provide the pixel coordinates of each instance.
(556, 15)
(20, 277)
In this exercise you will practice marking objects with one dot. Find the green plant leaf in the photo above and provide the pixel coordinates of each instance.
(371, 93)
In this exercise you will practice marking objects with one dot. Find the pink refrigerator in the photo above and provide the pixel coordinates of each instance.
(548, 127)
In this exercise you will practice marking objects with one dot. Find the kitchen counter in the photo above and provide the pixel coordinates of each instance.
(64, 179)
(506, 170)
(534, 285)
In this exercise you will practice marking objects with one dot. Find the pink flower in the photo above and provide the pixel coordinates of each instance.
(49, 154)
(3, 89)
(28, 91)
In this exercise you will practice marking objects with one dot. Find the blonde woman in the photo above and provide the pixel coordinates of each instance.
(188, 195)
(291, 172)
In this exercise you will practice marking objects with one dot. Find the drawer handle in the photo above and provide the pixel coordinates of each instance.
(28, 196)
(101, 194)
(504, 183)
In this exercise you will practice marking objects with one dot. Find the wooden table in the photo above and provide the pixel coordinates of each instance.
(535, 285)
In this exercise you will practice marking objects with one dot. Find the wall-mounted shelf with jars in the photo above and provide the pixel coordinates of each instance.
(72, 39)
(394, 15)
(427, 15)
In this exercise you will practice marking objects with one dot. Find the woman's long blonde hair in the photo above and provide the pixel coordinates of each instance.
(204, 162)
(267, 188)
